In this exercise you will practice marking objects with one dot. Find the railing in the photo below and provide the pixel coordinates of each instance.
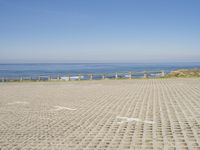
(69, 77)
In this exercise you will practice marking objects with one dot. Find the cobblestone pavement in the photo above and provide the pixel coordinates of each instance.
(122, 114)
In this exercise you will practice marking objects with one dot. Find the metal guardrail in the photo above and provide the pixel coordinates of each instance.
(69, 77)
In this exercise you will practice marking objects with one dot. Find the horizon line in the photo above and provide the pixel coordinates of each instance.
(156, 62)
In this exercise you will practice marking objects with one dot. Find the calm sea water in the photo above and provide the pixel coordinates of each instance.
(33, 70)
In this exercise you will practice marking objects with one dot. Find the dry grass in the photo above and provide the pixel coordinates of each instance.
(185, 73)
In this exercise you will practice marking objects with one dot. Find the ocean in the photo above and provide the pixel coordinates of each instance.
(63, 69)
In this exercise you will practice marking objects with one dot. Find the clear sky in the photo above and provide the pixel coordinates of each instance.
(99, 30)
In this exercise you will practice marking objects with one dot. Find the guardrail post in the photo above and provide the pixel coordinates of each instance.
(69, 77)
(21, 79)
(162, 73)
(91, 77)
(130, 75)
(103, 77)
(116, 75)
(58, 77)
(38, 78)
(2, 79)
(145, 75)
(79, 77)
(49, 78)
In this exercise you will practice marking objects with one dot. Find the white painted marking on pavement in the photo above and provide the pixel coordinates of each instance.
(18, 102)
(57, 108)
(126, 119)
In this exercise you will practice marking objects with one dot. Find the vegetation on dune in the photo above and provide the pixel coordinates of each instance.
(185, 73)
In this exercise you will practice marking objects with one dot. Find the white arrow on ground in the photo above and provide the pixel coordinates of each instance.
(57, 108)
(127, 119)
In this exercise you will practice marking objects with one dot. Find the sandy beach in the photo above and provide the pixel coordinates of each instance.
(107, 114)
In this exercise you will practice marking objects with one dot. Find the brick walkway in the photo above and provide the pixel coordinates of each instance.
(124, 114)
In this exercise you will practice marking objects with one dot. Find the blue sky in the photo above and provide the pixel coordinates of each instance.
(99, 30)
